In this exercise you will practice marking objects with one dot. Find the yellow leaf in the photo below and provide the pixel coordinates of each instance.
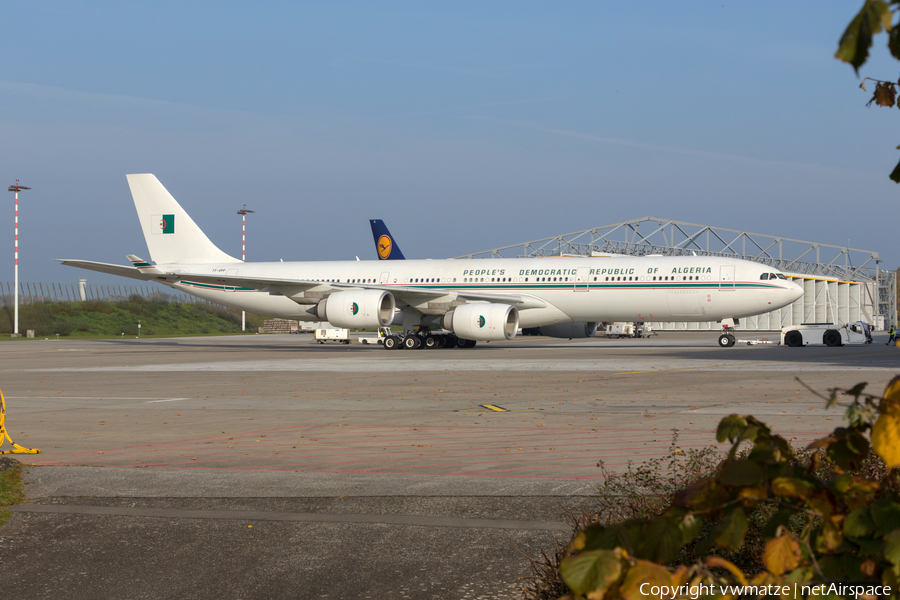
(781, 554)
(717, 561)
(642, 572)
(680, 576)
(753, 492)
(892, 391)
(790, 487)
(832, 534)
(885, 434)
(578, 542)
(863, 85)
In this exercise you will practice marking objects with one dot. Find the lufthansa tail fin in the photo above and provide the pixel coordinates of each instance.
(171, 235)
(385, 245)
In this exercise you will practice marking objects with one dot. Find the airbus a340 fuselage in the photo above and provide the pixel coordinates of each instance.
(489, 298)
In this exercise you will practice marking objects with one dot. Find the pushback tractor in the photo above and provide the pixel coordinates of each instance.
(826, 334)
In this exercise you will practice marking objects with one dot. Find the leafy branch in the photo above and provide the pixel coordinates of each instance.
(848, 527)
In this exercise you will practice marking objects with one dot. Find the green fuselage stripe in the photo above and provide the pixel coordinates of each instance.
(535, 286)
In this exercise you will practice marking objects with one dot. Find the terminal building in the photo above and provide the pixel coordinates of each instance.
(841, 284)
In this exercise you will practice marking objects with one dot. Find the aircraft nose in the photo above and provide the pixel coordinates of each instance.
(795, 290)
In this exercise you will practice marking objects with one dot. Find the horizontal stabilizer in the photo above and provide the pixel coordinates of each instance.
(90, 265)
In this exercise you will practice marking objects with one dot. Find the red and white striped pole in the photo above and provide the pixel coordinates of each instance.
(15, 188)
(243, 212)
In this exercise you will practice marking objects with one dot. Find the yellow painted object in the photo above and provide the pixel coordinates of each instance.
(4, 435)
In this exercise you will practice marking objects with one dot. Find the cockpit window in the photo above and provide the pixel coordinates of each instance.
(764, 276)
(779, 275)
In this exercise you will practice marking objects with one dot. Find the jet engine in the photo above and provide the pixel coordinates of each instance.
(483, 322)
(576, 329)
(359, 309)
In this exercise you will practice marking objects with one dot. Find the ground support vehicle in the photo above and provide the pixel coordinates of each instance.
(642, 330)
(620, 330)
(336, 335)
(628, 330)
(826, 334)
(378, 338)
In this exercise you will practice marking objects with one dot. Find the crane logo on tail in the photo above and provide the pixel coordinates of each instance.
(384, 247)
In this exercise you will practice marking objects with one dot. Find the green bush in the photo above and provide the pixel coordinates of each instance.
(766, 514)
(96, 318)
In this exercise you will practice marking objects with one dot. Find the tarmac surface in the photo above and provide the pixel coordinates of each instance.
(273, 467)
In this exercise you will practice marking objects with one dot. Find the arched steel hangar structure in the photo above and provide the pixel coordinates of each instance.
(841, 284)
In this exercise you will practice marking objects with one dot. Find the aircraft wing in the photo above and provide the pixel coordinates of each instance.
(90, 265)
(286, 286)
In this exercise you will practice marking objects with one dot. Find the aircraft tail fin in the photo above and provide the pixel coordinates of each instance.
(385, 245)
(171, 235)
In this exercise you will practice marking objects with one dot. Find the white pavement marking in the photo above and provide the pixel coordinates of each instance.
(52, 397)
(367, 365)
(167, 400)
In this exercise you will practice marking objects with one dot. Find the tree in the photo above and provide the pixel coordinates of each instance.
(874, 17)
(833, 536)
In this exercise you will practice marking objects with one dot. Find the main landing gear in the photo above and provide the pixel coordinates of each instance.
(413, 340)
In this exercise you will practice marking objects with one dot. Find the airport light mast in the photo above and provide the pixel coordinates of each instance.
(244, 212)
(16, 188)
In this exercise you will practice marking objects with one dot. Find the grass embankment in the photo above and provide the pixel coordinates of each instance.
(12, 491)
(94, 319)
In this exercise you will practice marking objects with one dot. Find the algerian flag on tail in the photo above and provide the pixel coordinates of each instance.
(163, 223)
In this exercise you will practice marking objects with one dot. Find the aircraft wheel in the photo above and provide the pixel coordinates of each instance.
(411, 342)
(392, 342)
(726, 340)
(467, 343)
(441, 340)
(452, 341)
(832, 338)
(794, 339)
(430, 342)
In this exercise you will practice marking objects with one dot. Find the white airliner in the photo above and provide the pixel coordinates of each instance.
(476, 300)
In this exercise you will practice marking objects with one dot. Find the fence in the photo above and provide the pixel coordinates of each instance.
(35, 293)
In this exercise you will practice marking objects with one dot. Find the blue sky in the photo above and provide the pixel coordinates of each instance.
(464, 127)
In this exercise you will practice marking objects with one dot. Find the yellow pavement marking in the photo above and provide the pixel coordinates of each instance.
(494, 407)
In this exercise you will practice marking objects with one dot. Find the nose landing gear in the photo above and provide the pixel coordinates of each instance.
(726, 339)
